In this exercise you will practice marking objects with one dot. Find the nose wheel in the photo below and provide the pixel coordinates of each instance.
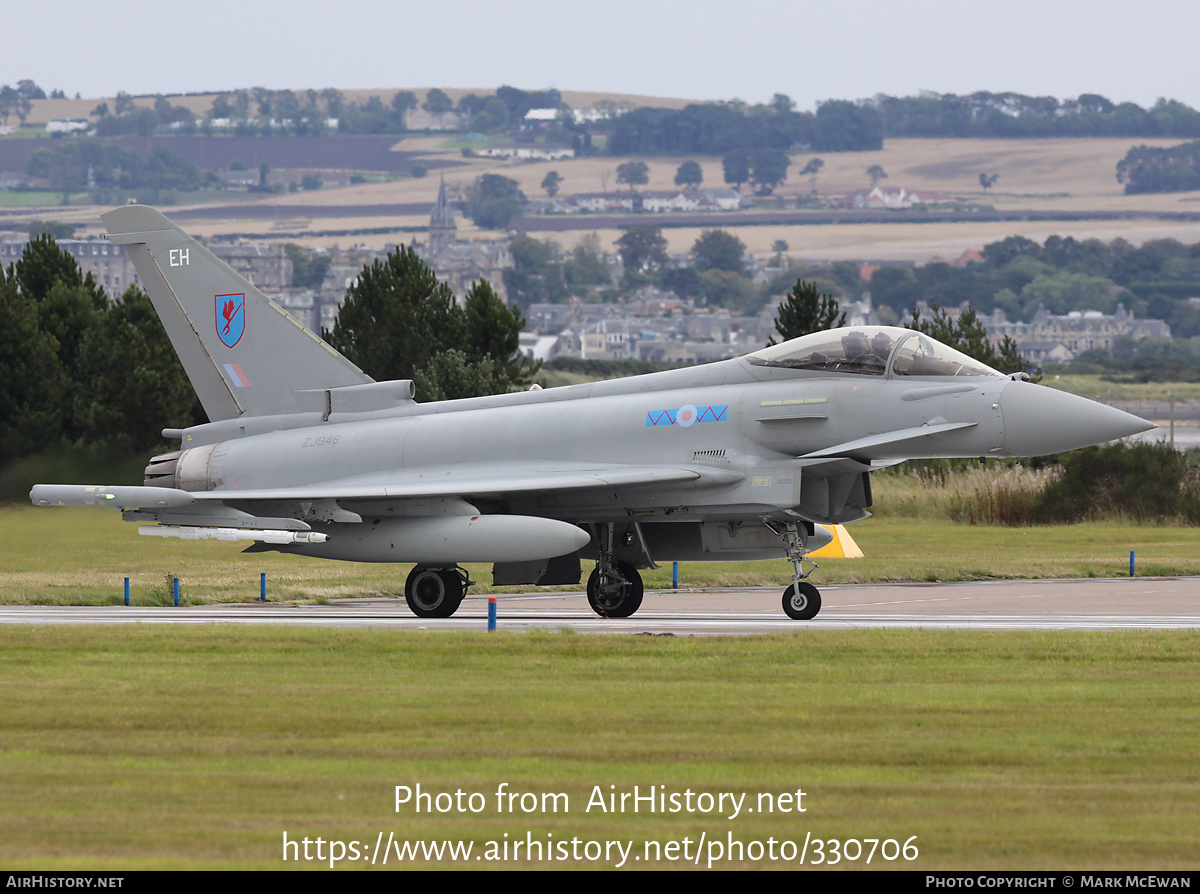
(801, 601)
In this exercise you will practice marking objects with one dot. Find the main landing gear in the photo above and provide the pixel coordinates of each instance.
(435, 592)
(801, 601)
(614, 589)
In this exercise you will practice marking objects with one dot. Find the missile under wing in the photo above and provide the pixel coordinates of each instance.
(744, 459)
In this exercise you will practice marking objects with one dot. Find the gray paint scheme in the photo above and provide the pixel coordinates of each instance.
(732, 460)
(183, 280)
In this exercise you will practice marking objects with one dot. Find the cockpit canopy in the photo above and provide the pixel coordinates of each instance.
(871, 351)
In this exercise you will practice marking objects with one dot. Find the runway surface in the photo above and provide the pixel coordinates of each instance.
(1118, 604)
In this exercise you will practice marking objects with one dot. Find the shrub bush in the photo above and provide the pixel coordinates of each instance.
(1141, 482)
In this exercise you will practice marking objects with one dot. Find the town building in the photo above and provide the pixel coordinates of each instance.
(526, 152)
(420, 119)
(461, 262)
(607, 340)
(882, 197)
(1059, 338)
(651, 201)
(266, 266)
(109, 264)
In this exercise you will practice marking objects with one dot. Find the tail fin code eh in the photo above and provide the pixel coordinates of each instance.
(244, 355)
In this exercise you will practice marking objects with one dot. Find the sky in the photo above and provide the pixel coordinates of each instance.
(749, 50)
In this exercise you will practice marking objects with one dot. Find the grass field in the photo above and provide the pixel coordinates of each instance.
(81, 556)
(156, 747)
(199, 747)
(42, 199)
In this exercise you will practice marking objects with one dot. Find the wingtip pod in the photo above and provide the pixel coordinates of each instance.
(113, 496)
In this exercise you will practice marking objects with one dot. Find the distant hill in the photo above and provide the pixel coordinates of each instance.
(46, 110)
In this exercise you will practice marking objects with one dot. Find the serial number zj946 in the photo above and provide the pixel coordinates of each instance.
(322, 441)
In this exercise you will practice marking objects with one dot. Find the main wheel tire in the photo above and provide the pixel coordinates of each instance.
(433, 592)
(610, 598)
(804, 605)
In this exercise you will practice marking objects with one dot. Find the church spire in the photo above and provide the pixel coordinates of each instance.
(443, 215)
(442, 228)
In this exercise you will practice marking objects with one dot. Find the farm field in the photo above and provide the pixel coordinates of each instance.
(1055, 176)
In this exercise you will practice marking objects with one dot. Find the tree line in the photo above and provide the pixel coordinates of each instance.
(1017, 275)
(716, 272)
(840, 125)
(985, 114)
(703, 128)
(266, 112)
(127, 117)
(112, 172)
(19, 100)
(1151, 169)
(542, 275)
(77, 368)
(720, 128)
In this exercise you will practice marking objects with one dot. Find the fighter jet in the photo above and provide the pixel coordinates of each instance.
(742, 459)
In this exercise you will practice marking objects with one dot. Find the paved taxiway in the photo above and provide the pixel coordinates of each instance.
(1118, 604)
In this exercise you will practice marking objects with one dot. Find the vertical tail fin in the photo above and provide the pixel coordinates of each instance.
(242, 352)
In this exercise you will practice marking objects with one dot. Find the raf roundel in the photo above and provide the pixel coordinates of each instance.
(231, 318)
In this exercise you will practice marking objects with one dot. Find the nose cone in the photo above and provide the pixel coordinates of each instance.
(1040, 420)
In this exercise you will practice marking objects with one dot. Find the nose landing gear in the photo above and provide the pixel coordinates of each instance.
(801, 601)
